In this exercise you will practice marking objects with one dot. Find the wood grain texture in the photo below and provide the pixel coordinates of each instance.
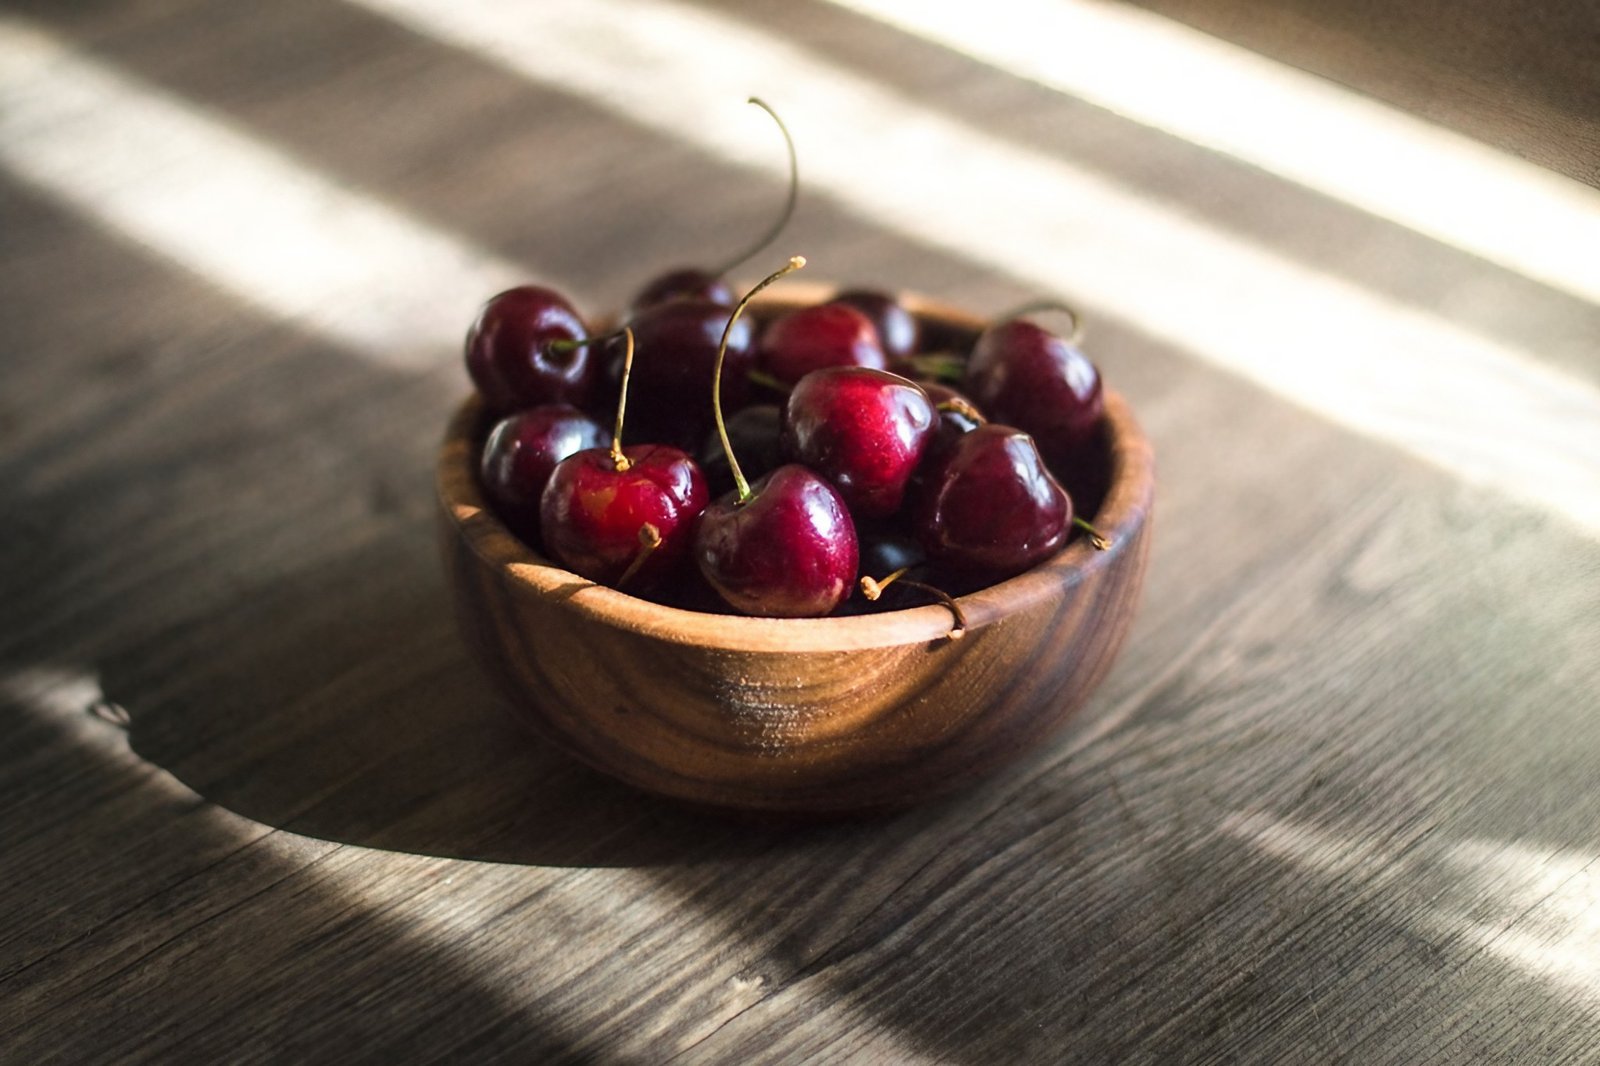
(877, 711)
(1335, 803)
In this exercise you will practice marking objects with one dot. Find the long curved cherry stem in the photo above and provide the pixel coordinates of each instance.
(1074, 335)
(788, 208)
(795, 263)
(873, 588)
(617, 458)
(1097, 538)
(649, 541)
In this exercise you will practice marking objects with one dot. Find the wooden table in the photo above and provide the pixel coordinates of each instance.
(1337, 802)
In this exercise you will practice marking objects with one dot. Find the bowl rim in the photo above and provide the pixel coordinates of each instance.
(1121, 517)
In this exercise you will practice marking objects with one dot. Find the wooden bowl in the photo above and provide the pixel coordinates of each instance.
(857, 713)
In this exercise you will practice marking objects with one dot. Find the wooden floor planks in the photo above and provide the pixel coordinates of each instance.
(1335, 804)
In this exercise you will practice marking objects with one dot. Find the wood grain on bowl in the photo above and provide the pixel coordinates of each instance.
(815, 715)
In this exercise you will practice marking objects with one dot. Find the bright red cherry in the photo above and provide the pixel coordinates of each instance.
(864, 430)
(812, 338)
(989, 509)
(623, 516)
(1026, 376)
(787, 550)
(898, 330)
(521, 351)
(627, 526)
(522, 451)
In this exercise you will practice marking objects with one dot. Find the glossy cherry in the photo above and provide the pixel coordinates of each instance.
(677, 346)
(863, 430)
(812, 338)
(989, 509)
(623, 516)
(628, 528)
(898, 330)
(521, 452)
(521, 351)
(1025, 376)
(788, 550)
(785, 546)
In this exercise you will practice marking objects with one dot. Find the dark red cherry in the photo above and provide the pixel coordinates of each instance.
(520, 454)
(812, 338)
(988, 508)
(675, 359)
(787, 551)
(885, 551)
(864, 430)
(511, 357)
(957, 416)
(599, 521)
(1026, 376)
(684, 283)
(898, 330)
(756, 434)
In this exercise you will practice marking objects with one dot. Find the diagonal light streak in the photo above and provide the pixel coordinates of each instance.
(1486, 412)
(1384, 161)
(242, 214)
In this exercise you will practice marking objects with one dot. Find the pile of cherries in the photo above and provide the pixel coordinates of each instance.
(795, 464)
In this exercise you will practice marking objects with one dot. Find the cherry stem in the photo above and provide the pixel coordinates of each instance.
(1074, 335)
(649, 541)
(944, 366)
(1097, 538)
(873, 588)
(766, 380)
(961, 407)
(620, 460)
(795, 263)
(788, 208)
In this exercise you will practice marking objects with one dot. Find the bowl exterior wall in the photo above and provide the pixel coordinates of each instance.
(831, 731)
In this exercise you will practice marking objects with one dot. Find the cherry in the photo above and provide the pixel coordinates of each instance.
(785, 546)
(1025, 376)
(525, 348)
(898, 330)
(623, 516)
(623, 527)
(756, 433)
(864, 430)
(788, 550)
(522, 451)
(677, 358)
(683, 283)
(824, 335)
(989, 508)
